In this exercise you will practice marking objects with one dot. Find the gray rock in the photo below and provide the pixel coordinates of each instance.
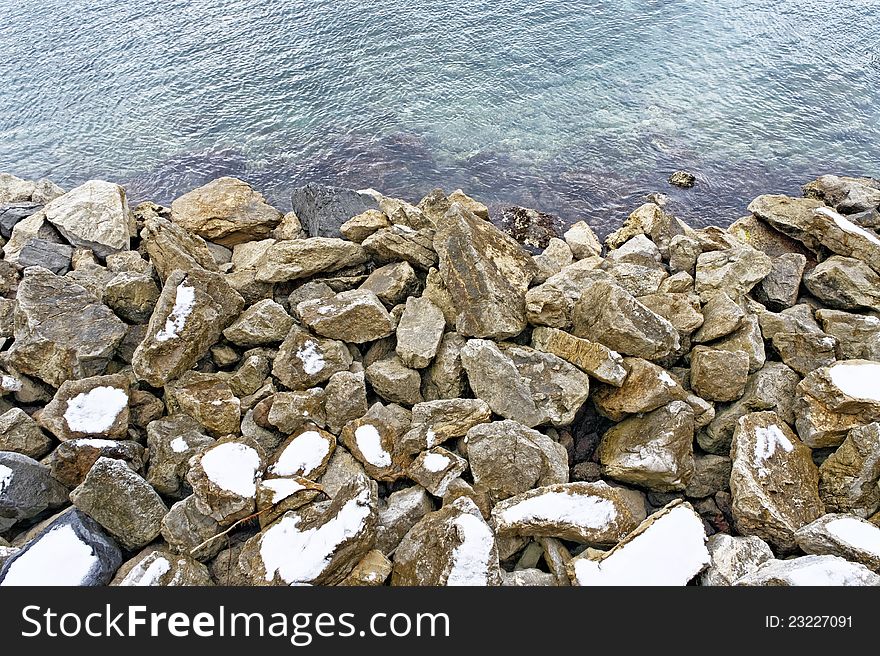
(12, 213)
(132, 296)
(346, 399)
(445, 378)
(172, 442)
(394, 382)
(191, 532)
(849, 479)
(649, 219)
(356, 316)
(122, 502)
(392, 283)
(444, 419)
(646, 387)
(734, 271)
(711, 475)
(303, 258)
(61, 330)
(719, 375)
(811, 571)
(734, 558)
(20, 433)
(306, 454)
(170, 247)
(72, 460)
(289, 411)
(805, 352)
(419, 333)
(435, 469)
(779, 289)
(304, 361)
(208, 399)
(846, 195)
(401, 243)
(398, 514)
(46, 254)
(527, 578)
(264, 322)
(94, 215)
(161, 568)
(858, 336)
(361, 226)
(683, 254)
(609, 315)
(90, 407)
(323, 209)
(600, 362)
(842, 535)
(582, 241)
(72, 550)
(747, 339)
(845, 283)
(26, 489)
(721, 316)
(34, 226)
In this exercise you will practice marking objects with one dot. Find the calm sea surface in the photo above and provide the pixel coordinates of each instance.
(576, 108)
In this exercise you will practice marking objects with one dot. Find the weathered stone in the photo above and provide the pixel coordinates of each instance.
(774, 483)
(21, 434)
(435, 469)
(636, 279)
(323, 209)
(683, 254)
(444, 419)
(419, 333)
(161, 568)
(72, 460)
(805, 352)
(276, 496)
(582, 241)
(122, 502)
(399, 514)
(303, 258)
(435, 290)
(590, 513)
(346, 399)
(609, 315)
(46, 254)
(172, 442)
(832, 400)
(734, 558)
(94, 215)
(14, 189)
(486, 272)
(208, 399)
(445, 378)
(62, 332)
(26, 489)
(646, 387)
(226, 211)
(392, 283)
(718, 375)
(523, 384)
(355, 316)
(649, 219)
(224, 478)
(170, 247)
(32, 227)
(849, 479)
(372, 570)
(264, 322)
(89, 407)
(780, 288)
(551, 303)
(680, 309)
(191, 532)
(304, 361)
(373, 441)
(845, 194)
(858, 336)
(12, 213)
(793, 217)
(306, 454)
(132, 296)
(436, 204)
(290, 411)
(506, 459)
(193, 310)
(361, 226)
(249, 254)
(811, 571)
(551, 261)
(73, 550)
(311, 547)
(600, 362)
(394, 382)
(401, 243)
(721, 316)
(734, 271)
(679, 283)
(747, 339)
(842, 535)
(711, 475)
(844, 283)
(683, 179)
(452, 546)
(668, 548)
(654, 451)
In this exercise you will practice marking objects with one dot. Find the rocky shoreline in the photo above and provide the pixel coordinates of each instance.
(363, 391)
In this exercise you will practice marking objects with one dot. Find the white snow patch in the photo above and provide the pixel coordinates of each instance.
(671, 551)
(5, 477)
(431, 438)
(233, 467)
(147, 572)
(470, 559)
(9, 383)
(299, 557)
(766, 441)
(184, 301)
(59, 557)
(822, 570)
(860, 380)
(856, 533)
(96, 410)
(369, 442)
(325, 309)
(93, 442)
(282, 488)
(847, 226)
(311, 358)
(302, 456)
(579, 510)
(667, 380)
(179, 445)
(435, 462)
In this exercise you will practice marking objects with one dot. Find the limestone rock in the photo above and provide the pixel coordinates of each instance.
(304, 361)
(392, 283)
(372, 570)
(90, 407)
(26, 489)
(648, 219)
(122, 502)
(290, 411)
(47, 254)
(73, 550)
(419, 333)
(842, 535)
(734, 558)
(95, 215)
(668, 548)
(72, 460)
(208, 399)
(20, 433)
(523, 384)
(361, 226)
(551, 261)
(445, 377)
(193, 310)
(506, 459)
(170, 247)
(600, 362)
(780, 288)
(747, 339)
(311, 547)
(551, 303)
(264, 322)
(356, 316)
(711, 475)
(306, 453)
(774, 483)
(654, 451)
(191, 532)
(849, 479)
(452, 546)
(224, 478)
(845, 194)
(811, 571)
(401, 243)
(582, 241)
(590, 513)
(646, 387)
(609, 315)
(486, 272)
(172, 442)
(31, 227)
(131, 296)
(303, 258)
(160, 568)
(844, 283)
(858, 336)
(15, 190)
(435, 469)
(719, 375)
(346, 399)
(62, 332)
(373, 442)
(734, 271)
(226, 211)
(805, 352)
(721, 316)
(444, 419)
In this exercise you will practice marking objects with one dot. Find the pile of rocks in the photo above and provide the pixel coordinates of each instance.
(365, 391)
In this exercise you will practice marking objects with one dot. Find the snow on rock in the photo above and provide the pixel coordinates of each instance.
(179, 445)
(311, 358)
(767, 439)
(58, 558)
(5, 477)
(305, 454)
(233, 467)
(148, 572)
(860, 379)
(811, 570)
(473, 555)
(842, 535)
(668, 548)
(369, 443)
(184, 301)
(282, 488)
(435, 462)
(95, 411)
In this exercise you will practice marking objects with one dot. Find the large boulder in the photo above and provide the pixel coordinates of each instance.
(599, 361)
(845, 283)
(190, 316)
(356, 316)
(90, 407)
(170, 247)
(323, 209)
(95, 215)
(303, 258)
(842, 535)
(486, 272)
(733, 271)
(225, 211)
(734, 557)
(26, 489)
(304, 360)
(62, 331)
(849, 479)
(224, 478)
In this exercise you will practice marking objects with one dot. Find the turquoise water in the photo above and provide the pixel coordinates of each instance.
(577, 108)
